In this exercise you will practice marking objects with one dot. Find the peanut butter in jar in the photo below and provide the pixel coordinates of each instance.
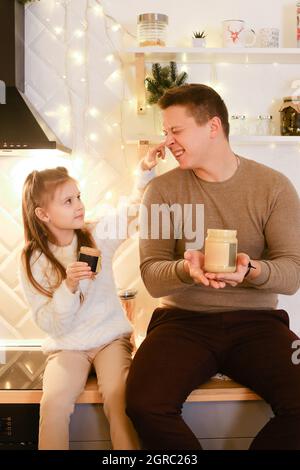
(220, 251)
(92, 256)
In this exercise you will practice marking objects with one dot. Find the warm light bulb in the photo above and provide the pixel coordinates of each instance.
(98, 10)
(110, 58)
(93, 112)
(108, 195)
(78, 33)
(115, 27)
(78, 57)
(93, 137)
(58, 30)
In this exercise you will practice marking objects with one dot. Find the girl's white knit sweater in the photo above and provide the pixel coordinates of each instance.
(99, 319)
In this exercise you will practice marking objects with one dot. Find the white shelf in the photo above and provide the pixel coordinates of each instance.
(235, 139)
(265, 139)
(207, 55)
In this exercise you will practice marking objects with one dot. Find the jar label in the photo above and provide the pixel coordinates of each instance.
(220, 254)
(232, 254)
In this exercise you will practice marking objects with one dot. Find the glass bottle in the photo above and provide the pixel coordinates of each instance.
(290, 116)
(152, 28)
(265, 125)
(238, 124)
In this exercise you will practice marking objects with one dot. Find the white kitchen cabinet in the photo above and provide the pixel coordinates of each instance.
(217, 425)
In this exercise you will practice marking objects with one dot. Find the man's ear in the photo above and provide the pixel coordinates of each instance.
(42, 214)
(215, 125)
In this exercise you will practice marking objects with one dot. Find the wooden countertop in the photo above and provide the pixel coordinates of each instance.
(213, 390)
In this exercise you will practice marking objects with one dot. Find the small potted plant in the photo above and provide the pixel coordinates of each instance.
(199, 39)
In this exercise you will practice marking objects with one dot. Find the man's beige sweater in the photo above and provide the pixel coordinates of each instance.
(258, 202)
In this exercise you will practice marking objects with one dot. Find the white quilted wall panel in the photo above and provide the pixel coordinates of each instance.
(74, 79)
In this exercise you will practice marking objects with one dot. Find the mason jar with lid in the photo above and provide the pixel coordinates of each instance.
(265, 124)
(152, 29)
(290, 116)
(238, 124)
(220, 251)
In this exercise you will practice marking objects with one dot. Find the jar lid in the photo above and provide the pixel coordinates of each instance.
(127, 293)
(221, 233)
(291, 98)
(148, 17)
(265, 116)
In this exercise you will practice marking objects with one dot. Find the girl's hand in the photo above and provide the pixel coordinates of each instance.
(76, 272)
(150, 160)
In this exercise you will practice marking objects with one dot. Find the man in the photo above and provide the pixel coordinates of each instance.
(225, 322)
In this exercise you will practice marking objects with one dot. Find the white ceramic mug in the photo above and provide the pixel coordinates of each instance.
(237, 34)
(269, 37)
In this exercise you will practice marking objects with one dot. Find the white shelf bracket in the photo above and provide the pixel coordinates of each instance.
(140, 82)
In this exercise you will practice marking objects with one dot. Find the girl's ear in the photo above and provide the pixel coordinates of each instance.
(42, 214)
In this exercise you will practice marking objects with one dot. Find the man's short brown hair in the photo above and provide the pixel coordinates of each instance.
(201, 101)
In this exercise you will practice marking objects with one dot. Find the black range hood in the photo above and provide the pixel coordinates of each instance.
(22, 130)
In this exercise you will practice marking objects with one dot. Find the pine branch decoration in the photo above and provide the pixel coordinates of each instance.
(162, 79)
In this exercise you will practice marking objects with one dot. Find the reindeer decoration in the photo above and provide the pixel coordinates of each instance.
(234, 35)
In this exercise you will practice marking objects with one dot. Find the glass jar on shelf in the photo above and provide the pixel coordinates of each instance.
(152, 29)
(265, 125)
(290, 116)
(238, 124)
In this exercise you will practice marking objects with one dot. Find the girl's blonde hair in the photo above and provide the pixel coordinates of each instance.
(38, 189)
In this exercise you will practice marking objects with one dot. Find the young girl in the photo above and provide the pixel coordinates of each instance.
(80, 312)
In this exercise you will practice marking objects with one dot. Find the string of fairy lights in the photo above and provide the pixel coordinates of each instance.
(76, 41)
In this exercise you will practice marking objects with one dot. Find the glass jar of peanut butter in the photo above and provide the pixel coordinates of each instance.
(220, 251)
